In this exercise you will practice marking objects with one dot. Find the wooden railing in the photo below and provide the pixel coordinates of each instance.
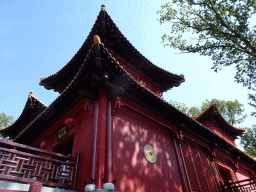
(25, 164)
(248, 185)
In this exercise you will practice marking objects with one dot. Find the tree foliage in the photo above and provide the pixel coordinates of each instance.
(220, 29)
(232, 111)
(5, 121)
(248, 141)
(194, 111)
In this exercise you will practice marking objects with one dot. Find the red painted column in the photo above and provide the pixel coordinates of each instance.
(101, 139)
(109, 164)
(94, 143)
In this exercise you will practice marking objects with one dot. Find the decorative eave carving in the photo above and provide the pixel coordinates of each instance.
(118, 101)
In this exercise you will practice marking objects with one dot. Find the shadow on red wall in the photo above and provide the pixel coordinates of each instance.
(131, 132)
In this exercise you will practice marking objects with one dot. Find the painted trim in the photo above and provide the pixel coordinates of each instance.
(214, 171)
(49, 131)
(220, 164)
(182, 165)
(119, 102)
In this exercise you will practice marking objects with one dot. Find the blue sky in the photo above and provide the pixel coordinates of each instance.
(37, 38)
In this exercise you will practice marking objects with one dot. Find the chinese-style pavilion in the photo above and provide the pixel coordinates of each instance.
(110, 128)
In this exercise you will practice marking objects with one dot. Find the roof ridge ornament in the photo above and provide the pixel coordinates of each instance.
(213, 103)
(103, 7)
(32, 94)
(96, 40)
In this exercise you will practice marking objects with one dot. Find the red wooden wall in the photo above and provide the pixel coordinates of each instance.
(243, 174)
(131, 132)
(81, 135)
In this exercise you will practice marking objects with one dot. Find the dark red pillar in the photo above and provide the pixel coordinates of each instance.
(109, 164)
(101, 139)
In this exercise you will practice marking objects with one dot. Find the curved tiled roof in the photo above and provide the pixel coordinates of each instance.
(131, 88)
(112, 38)
(212, 114)
(32, 109)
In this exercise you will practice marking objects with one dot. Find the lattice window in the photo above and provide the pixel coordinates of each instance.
(207, 169)
(198, 167)
(193, 178)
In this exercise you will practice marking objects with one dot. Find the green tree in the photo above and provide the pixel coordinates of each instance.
(5, 121)
(248, 141)
(194, 111)
(232, 111)
(181, 106)
(219, 29)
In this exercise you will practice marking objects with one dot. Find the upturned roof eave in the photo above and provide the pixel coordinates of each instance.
(53, 82)
(25, 117)
(212, 112)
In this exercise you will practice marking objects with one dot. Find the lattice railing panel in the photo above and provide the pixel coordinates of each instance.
(248, 185)
(26, 162)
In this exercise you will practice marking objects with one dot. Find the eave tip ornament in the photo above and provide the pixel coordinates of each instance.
(96, 40)
(42, 78)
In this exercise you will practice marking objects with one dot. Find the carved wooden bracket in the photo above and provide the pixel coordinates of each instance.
(236, 164)
(115, 104)
(89, 106)
(178, 134)
(212, 151)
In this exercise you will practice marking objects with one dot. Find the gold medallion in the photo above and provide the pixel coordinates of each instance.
(149, 153)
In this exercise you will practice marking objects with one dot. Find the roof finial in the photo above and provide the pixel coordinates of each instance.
(96, 40)
(103, 7)
(213, 103)
(31, 94)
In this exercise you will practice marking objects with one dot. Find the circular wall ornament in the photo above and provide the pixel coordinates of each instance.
(149, 153)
